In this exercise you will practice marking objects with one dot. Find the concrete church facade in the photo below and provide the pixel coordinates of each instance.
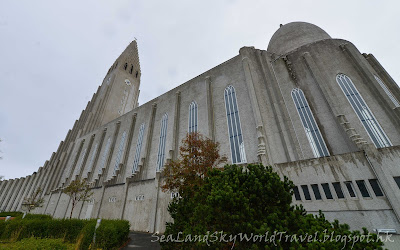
(313, 107)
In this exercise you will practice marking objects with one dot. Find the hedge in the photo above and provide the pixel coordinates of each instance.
(37, 243)
(111, 233)
(12, 214)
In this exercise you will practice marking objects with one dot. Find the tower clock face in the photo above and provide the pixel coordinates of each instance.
(128, 82)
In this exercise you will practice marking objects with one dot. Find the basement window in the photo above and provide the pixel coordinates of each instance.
(327, 190)
(375, 186)
(350, 188)
(363, 188)
(397, 180)
(296, 193)
(315, 189)
(306, 192)
(338, 190)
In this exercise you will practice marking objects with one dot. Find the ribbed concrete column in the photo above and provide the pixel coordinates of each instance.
(14, 193)
(89, 147)
(147, 149)
(61, 154)
(65, 162)
(175, 128)
(281, 120)
(35, 181)
(104, 172)
(251, 77)
(42, 177)
(51, 168)
(383, 75)
(92, 168)
(19, 195)
(4, 192)
(210, 109)
(25, 191)
(75, 161)
(10, 192)
(2, 185)
(122, 172)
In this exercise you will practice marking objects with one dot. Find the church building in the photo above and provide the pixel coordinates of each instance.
(313, 107)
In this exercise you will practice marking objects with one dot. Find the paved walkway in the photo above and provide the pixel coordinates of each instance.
(142, 241)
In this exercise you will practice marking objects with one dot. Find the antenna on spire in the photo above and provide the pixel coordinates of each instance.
(135, 38)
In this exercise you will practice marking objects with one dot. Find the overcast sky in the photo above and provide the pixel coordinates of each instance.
(54, 54)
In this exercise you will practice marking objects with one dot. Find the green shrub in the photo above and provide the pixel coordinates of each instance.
(36, 243)
(38, 216)
(12, 214)
(111, 234)
(86, 235)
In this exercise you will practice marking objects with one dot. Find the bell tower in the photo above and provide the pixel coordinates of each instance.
(119, 91)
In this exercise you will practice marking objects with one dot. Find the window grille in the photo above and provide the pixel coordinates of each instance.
(311, 129)
(161, 145)
(192, 117)
(363, 112)
(234, 127)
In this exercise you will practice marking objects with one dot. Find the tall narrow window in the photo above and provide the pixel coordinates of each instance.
(138, 148)
(193, 117)
(363, 188)
(315, 189)
(338, 189)
(296, 193)
(161, 145)
(387, 91)
(306, 192)
(234, 127)
(327, 190)
(363, 112)
(350, 188)
(375, 186)
(119, 154)
(105, 154)
(311, 129)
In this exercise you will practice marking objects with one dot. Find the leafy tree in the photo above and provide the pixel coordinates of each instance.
(78, 190)
(33, 201)
(219, 208)
(198, 155)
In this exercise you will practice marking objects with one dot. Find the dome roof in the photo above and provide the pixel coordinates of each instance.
(294, 35)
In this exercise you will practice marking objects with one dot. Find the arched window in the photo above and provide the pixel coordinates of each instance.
(363, 112)
(138, 148)
(192, 117)
(234, 128)
(105, 154)
(387, 91)
(161, 145)
(311, 129)
(131, 70)
(125, 66)
(119, 154)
